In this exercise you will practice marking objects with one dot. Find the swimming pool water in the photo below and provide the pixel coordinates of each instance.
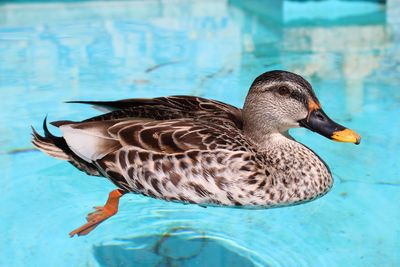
(51, 52)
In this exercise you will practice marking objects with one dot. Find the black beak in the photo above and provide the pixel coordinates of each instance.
(317, 121)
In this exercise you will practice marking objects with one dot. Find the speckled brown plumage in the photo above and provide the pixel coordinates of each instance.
(196, 150)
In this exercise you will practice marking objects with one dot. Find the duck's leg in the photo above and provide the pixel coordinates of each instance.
(100, 214)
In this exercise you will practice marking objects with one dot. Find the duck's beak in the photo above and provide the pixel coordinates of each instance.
(319, 122)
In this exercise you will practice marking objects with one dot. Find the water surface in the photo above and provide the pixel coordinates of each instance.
(58, 51)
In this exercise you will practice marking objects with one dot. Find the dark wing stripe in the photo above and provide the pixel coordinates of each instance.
(119, 126)
(193, 137)
(119, 104)
(168, 144)
(130, 135)
(149, 138)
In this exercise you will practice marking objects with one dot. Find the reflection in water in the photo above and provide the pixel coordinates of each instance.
(211, 38)
(178, 247)
(186, 41)
(358, 48)
(348, 43)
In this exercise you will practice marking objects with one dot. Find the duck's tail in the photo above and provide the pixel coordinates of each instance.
(51, 145)
(56, 147)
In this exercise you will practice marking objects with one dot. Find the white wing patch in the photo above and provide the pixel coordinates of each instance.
(90, 144)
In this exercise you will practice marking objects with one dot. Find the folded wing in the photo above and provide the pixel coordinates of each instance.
(93, 140)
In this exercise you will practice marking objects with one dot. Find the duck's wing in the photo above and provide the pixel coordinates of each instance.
(167, 108)
(94, 140)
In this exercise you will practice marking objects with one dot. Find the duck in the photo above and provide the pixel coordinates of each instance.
(195, 150)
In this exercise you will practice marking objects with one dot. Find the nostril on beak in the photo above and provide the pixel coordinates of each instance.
(319, 115)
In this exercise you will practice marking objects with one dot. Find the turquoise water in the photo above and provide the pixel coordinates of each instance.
(54, 52)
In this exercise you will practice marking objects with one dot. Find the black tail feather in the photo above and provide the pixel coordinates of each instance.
(47, 133)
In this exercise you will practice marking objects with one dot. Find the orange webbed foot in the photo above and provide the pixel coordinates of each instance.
(100, 214)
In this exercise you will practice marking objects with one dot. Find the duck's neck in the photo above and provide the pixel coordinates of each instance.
(265, 137)
(262, 128)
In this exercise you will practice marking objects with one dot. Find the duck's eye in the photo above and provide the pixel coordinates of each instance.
(283, 91)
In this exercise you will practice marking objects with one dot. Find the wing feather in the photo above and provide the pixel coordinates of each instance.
(94, 140)
(167, 108)
(90, 141)
(164, 125)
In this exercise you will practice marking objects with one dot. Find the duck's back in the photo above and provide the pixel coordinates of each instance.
(167, 108)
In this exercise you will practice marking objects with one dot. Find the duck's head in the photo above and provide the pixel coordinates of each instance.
(280, 100)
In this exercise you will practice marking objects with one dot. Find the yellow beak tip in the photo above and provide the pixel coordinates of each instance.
(347, 135)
